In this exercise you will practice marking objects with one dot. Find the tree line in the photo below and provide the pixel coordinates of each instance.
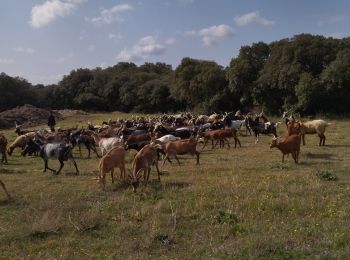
(308, 73)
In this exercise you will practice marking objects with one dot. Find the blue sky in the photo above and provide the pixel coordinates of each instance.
(42, 40)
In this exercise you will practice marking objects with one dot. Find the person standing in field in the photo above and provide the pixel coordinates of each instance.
(51, 122)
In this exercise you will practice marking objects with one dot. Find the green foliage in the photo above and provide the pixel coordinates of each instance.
(225, 217)
(327, 175)
(307, 72)
(279, 166)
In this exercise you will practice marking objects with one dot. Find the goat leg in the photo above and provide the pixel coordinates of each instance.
(75, 165)
(61, 166)
(93, 147)
(4, 188)
(156, 163)
(47, 166)
(112, 175)
(80, 150)
(177, 159)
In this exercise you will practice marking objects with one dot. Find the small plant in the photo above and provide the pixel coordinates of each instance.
(327, 175)
(225, 217)
(229, 218)
(165, 240)
(279, 166)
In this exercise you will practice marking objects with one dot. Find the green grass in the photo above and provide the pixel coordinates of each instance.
(237, 204)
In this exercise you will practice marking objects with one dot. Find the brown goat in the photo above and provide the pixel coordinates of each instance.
(114, 158)
(143, 161)
(4, 188)
(183, 146)
(3, 145)
(290, 145)
(232, 132)
(310, 127)
(217, 135)
(138, 138)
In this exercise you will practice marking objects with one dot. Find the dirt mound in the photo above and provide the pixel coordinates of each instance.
(26, 115)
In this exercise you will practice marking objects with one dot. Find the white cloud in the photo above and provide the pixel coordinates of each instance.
(24, 50)
(113, 36)
(145, 47)
(111, 15)
(213, 34)
(91, 48)
(6, 61)
(251, 18)
(170, 41)
(49, 11)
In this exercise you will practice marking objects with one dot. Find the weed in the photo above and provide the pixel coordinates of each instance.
(279, 166)
(326, 175)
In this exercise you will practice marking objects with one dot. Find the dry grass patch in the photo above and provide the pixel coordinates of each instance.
(237, 204)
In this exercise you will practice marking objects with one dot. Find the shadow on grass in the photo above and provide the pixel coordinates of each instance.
(327, 156)
(337, 145)
(11, 171)
(6, 202)
(177, 185)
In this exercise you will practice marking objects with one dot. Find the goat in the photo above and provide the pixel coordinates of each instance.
(167, 138)
(143, 161)
(3, 145)
(258, 128)
(114, 158)
(138, 138)
(107, 144)
(19, 131)
(60, 151)
(309, 127)
(4, 188)
(232, 132)
(32, 147)
(290, 145)
(287, 118)
(217, 135)
(184, 146)
(20, 141)
(58, 137)
(78, 137)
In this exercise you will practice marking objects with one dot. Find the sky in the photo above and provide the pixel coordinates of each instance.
(43, 40)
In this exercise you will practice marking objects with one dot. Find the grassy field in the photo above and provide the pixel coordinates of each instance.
(237, 204)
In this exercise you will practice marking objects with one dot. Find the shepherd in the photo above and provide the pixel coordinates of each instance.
(51, 122)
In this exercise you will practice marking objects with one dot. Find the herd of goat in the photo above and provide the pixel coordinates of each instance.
(152, 136)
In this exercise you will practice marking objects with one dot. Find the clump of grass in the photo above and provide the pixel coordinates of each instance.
(279, 166)
(229, 218)
(85, 221)
(327, 175)
(47, 224)
(225, 217)
(164, 239)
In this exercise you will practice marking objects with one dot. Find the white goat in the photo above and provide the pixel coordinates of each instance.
(108, 143)
(167, 138)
